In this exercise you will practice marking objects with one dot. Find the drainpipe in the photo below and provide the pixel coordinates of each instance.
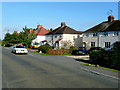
(98, 40)
(52, 40)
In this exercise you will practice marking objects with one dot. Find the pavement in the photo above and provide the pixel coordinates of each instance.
(37, 71)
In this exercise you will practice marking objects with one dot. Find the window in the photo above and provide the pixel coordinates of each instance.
(60, 36)
(73, 37)
(55, 36)
(116, 33)
(95, 34)
(92, 44)
(107, 44)
(87, 34)
(105, 33)
(78, 36)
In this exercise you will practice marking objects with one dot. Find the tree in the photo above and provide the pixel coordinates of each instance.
(26, 37)
(66, 44)
(15, 38)
(7, 39)
(50, 30)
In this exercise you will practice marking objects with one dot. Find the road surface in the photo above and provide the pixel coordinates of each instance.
(37, 71)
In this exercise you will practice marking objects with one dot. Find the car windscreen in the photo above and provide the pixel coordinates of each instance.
(20, 46)
(82, 48)
(36, 44)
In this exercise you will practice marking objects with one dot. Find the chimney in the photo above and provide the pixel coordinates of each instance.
(63, 24)
(110, 18)
(39, 26)
(31, 30)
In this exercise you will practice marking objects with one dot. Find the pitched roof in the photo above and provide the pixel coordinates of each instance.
(39, 31)
(42, 31)
(64, 30)
(106, 26)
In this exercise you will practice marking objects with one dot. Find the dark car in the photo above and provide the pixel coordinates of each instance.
(80, 51)
(95, 48)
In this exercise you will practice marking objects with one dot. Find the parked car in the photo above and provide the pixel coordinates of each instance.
(108, 49)
(95, 48)
(80, 51)
(35, 46)
(19, 49)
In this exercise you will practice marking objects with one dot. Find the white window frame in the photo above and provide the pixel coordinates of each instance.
(107, 44)
(105, 33)
(92, 44)
(95, 34)
(116, 33)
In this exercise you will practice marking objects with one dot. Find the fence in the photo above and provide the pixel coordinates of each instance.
(55, 51)
(58, 51)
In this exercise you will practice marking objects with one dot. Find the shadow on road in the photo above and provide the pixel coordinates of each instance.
(83, 60)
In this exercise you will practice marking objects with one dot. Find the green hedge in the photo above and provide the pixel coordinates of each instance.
(106, 58)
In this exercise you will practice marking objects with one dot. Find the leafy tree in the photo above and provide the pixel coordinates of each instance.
(26, 37)
(50, 30)
(15, 38)
(7, 39)
(66, 44)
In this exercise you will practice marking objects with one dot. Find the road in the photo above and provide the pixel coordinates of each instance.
(37, 71)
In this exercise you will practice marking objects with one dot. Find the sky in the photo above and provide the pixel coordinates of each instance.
(77, 15)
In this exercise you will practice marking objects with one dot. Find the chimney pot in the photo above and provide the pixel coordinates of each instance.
(110, 18)
(63, 24)
(39, 26)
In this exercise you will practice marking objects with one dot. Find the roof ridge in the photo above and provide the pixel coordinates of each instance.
(108, 25)
(65, 29)
(56, 30)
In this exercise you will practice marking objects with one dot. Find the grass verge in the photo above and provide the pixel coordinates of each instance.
(100, 67)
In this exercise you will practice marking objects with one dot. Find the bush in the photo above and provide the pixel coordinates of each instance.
(44, 48)
(72, 48)
(106, 58)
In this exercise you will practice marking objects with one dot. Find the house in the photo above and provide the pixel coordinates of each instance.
(102, 35)
(40, 31)
(62, 37)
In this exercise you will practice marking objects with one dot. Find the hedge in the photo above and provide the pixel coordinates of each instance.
(106, 58)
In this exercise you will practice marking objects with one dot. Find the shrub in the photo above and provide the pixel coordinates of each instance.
(106, 58)
(72, 48)
(44, 48)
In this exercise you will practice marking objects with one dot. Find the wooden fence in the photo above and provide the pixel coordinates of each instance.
(58, 51)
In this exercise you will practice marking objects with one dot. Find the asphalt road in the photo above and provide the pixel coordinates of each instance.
(37, 71)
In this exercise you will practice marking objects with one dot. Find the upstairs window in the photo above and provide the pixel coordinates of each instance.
(78, 36)
(105, 33)
(116, 33)
(73, 37)
(87, 34)
(95, 34)
(60, 36)
(56, 36)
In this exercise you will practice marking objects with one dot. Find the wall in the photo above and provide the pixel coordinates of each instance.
(65, 37)
(100, 39)
(39, 39)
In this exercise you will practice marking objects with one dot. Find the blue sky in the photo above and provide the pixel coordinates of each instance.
(78, 15)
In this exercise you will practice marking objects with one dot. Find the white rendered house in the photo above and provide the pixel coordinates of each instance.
(102, 35)
(62, 35)
(40, 38)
